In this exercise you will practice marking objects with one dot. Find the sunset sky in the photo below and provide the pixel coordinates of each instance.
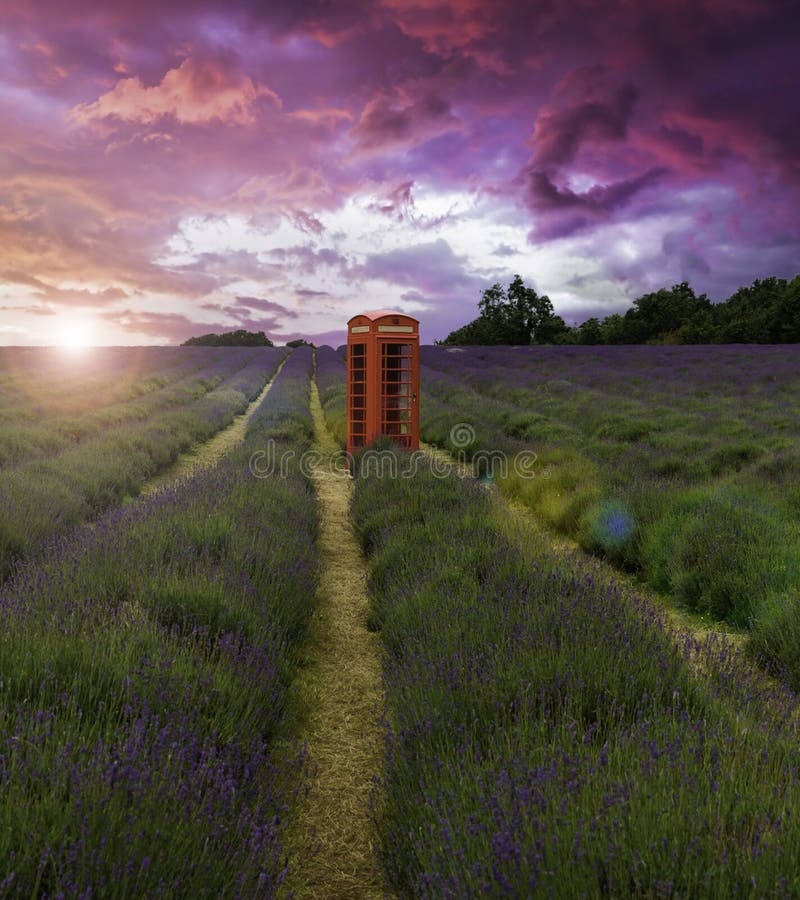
(169, 169)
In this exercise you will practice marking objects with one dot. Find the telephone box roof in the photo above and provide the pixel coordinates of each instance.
(374, 314)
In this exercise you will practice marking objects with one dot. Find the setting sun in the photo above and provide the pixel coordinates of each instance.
(74, 335)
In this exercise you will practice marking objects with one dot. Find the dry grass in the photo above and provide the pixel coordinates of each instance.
(332, 836)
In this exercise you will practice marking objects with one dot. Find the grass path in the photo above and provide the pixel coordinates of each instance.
(332, 834)
(209, 453)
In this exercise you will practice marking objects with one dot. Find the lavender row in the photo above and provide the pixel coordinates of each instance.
(330, 374)
(547, 736)
(285, 414)
(32, 433)
(145, 674)
(47, 496)
(44, 384)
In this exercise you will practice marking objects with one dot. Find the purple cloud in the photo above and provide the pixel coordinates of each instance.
(388, 124)
(262, 305)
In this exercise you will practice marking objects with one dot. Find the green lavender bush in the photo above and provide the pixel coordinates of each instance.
(722, 551)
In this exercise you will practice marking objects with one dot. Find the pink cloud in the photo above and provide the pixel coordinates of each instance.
(198, 91)
(397, 202)
(447, 26)
(432, 268)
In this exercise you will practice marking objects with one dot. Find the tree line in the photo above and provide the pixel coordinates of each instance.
(766, 312)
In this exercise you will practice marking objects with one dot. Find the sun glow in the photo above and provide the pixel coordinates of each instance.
(74, 335)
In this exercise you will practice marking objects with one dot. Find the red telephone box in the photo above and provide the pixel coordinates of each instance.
(382, 379)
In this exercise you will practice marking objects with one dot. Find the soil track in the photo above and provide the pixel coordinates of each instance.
(209, 453)
(333, 836)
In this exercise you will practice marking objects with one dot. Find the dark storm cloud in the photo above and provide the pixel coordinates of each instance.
(584, 109)
(388, 124)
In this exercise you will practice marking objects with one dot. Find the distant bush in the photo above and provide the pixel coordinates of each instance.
(330, 371)
(240, 338)
(781, 472)
(624, 428)
(722, 551)
(147, 663)
(545, 734)
(524, 425)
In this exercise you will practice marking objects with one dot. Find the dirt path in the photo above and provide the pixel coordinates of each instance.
(333, 837)
(209, 453)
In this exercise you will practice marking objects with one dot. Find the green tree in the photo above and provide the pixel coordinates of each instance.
(590, 332)
(516, 315)
(768, 311)
(787, 319)
(612, 329)
(478, 331)
(758, 314)
(659, 317)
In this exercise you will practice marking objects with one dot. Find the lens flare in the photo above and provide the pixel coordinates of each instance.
(612, 524)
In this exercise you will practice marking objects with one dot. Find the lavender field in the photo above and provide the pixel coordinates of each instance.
(548, 730)
(146, 659)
